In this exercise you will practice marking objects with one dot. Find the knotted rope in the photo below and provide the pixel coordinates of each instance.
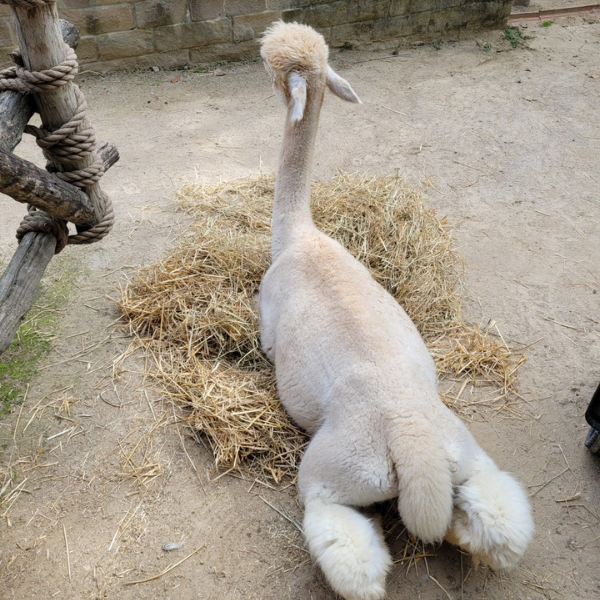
(36, 220)
(19, 79)
(73, 141)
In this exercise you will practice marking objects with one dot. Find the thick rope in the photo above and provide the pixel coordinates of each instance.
(70, 143)
(37, 220)
(99, 231)
(19, 79)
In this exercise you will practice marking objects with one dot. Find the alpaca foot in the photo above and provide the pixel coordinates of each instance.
(492, 518)
(349, 548)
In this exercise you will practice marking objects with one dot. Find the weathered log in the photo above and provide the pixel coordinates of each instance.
(21, 278)
(20, 281)
(70, 33)
(27, 183)
(41, 45)
(16, 109)
(108, 153)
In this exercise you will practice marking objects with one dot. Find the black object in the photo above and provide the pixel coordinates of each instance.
(592, 416)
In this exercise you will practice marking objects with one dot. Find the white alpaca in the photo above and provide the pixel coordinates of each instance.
(354, 372)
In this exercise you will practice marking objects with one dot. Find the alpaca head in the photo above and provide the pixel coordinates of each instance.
(296, 56)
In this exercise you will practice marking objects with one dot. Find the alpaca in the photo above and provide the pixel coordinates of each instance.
(353, 371)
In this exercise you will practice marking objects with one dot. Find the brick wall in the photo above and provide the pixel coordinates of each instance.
(170, 33)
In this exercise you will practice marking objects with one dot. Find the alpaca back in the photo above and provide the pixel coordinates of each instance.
(324, 320)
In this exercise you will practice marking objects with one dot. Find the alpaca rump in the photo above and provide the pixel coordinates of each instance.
(354, 372)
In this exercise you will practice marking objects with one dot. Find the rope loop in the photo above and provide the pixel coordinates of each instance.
(99, 231)
(70, 143)
(19, 79)
(37, 220)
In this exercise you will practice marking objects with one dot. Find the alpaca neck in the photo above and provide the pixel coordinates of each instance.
(291, 209)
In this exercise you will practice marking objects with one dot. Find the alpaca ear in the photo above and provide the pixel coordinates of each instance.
(297, 86)
(340, 87)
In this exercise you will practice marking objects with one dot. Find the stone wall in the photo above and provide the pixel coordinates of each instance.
(172, 33)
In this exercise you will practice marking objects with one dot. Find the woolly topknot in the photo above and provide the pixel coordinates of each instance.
(290, 47)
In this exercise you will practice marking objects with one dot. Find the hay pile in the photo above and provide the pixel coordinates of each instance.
(195, 312)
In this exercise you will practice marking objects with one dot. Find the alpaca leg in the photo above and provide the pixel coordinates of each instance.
(492, 518)
(425, 499)
(349, 548)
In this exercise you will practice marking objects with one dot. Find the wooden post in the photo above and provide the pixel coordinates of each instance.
(41, 45)
(16, 109)
(21, 280)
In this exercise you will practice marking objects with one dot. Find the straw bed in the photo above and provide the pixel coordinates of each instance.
(195, 312)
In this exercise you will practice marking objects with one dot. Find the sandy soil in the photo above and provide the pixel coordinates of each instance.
(505, 143)
(533, 5)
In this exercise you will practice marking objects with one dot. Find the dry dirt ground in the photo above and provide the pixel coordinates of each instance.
(506, 144)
